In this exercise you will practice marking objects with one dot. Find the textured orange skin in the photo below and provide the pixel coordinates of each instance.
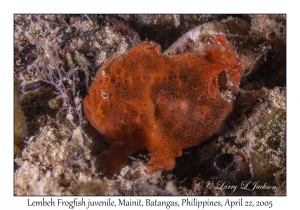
(164, 104)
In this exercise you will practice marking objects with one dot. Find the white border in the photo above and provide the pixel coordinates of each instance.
(8, 201)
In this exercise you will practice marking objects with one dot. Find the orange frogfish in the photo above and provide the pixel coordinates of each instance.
(146, 100)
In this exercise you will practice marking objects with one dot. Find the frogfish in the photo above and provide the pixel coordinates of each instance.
(146, 100)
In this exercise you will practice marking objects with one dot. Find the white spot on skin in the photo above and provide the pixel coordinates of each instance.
(201, 113)
(179, 105)
(184, 106)
(103, 73)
